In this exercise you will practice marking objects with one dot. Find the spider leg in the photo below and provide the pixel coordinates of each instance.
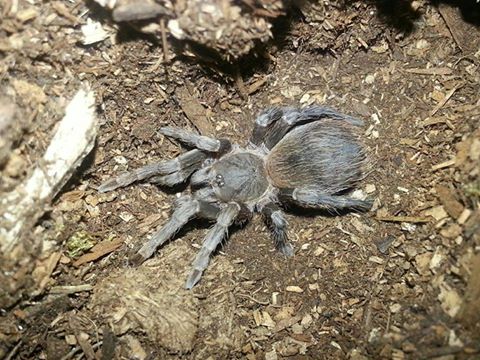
(201, 177)
(198, 141)
(174, 178)
(215, 235)
(187, 208)
(278, 224)
(185, 163)
(272, 124)
(318, 199)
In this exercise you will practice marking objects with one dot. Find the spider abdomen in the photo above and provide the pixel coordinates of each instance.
(326, 155)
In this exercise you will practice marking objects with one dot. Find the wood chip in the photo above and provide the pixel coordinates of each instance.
(376, 260)
(464, 216)
(257, 84)
(285, 323)
(444, 164)
(295, 289)
(87, 348)
(447, 197)
(194, 111)
(465, 35)
(62, 10)
(98, 251)
(430, 71)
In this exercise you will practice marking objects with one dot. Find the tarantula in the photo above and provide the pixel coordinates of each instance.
(309, 157)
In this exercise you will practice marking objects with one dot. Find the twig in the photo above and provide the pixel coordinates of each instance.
(240, 84)
(163, 30)
(254, 300)
(70, 289)
(14, 351)
(408, 219)
(444, 164)
(446, 98)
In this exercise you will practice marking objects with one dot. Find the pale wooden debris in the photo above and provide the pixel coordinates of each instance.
(73, 140)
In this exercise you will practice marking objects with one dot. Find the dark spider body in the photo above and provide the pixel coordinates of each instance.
(309, 157)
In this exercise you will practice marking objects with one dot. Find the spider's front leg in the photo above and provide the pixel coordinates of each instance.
(272, 124)
(277, 222)
(318, 199)
(187, 207)
(215, 235)
(170, 172)
(198, 141)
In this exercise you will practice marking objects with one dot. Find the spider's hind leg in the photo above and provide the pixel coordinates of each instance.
(317, 199)
(168, 172)
(275, 218)
(274, 123)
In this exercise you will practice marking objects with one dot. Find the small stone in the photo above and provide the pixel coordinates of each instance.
(395, 308)
(370, 79)
(370, 188)
(422, 44)
(71, 339)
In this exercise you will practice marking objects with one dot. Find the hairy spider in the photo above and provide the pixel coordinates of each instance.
(310, 157)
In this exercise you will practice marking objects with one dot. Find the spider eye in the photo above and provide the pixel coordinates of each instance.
(219, 180)
(208, 162)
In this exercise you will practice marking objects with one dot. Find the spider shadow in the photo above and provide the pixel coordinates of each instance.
(198, 224)
(297, 210)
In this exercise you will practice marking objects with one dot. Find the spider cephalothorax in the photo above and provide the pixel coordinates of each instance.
(309, 157)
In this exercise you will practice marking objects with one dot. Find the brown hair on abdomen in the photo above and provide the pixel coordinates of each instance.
(325, 154)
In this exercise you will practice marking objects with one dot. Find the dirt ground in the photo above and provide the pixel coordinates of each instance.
(400, 282)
